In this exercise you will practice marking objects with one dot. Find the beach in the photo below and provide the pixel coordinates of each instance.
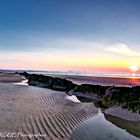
(119, 112)
(69, 70)
(10, 77)
(33, 110)
(30, 112)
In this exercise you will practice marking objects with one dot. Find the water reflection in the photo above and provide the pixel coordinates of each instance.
(98, 128)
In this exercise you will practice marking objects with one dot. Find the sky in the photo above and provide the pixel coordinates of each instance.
(78, 35)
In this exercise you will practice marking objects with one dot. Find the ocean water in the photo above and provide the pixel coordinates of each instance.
(80, 73)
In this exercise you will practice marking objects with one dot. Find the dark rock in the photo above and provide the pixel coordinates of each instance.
(25, 74)
(90, 93)
(127, 97)
(50, 82)
(136, 89)
(91, 89)
(111, 91)
(84, 99)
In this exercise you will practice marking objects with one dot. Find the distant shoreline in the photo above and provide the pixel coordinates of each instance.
(76, 74)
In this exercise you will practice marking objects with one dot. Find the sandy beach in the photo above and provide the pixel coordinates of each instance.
(125, 114)
(10, 77)
(69, 70)
(32, 110)
(39, 113)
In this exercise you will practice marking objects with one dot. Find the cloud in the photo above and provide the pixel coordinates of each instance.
(122, 49)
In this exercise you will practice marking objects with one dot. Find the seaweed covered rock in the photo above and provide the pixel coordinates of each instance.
(91, 89)
(125, 96)
(50, 82)
(25, 74)
(89, 93)
(62, 84)
(136, 89)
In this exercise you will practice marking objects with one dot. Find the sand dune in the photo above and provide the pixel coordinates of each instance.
(32, 110)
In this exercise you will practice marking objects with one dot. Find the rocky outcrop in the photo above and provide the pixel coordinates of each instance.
(88, 92)
(127, 97)
(91, 89)
(50, 82)
(25, 74)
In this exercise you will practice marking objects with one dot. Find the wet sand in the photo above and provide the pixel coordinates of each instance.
(125, 114)
(130, 126)
(99, 128)
(10, 77)
(32, 110)
(106, 81)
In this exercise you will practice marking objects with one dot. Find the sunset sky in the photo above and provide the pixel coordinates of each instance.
(77, 35)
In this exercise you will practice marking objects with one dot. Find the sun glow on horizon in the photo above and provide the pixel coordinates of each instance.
(134, 68)
(65, 61)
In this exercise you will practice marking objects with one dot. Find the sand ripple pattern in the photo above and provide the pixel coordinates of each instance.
(32, 110)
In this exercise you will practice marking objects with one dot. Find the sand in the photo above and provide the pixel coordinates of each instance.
(10, 77)
(106, 81)
(32, 110)
(125, 114)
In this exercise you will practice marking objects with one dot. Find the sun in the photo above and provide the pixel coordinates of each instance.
(134, 68)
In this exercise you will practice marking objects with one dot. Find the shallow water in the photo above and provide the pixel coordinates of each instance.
(98, 128)
(130, 126)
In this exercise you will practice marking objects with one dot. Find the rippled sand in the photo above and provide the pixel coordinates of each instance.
(33, 110)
